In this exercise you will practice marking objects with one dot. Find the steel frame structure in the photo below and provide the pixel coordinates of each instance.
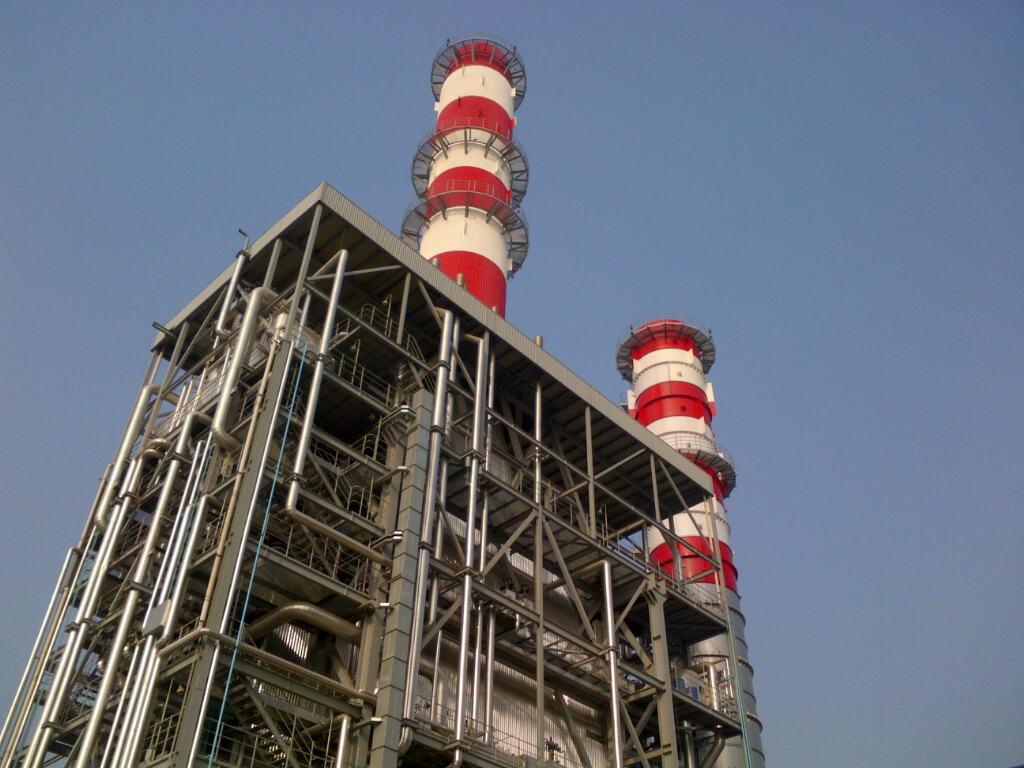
(358, 519)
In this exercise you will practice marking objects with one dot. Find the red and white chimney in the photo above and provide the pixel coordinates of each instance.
(666, 362)
(470, 174)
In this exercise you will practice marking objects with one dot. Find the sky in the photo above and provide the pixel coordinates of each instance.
(834, 188)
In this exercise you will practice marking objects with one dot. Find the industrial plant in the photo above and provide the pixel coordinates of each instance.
(356, 518)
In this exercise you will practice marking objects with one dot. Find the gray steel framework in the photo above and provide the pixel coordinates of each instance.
(357, 519)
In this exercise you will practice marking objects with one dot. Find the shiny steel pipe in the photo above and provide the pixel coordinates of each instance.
(489, 695)
(438, 421)
(434, 592)
(538, 564)
(314, 387)
(127, 441)
(218, 555)
(116, 723)
(264, 457)
(159, 591)
(227, 387)
(339, 761)
(222, 316)
(48, 617)
(249, 515)
(185, 557)
(442, 496)
(65, 669)
(479, 412)
(325, 530)
(484, 540)
(131, 602)
(141, 689)
(716, 749)
(131, 733)
(308, 614)
(613, 660)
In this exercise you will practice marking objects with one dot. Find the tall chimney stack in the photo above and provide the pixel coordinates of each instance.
(470, 174)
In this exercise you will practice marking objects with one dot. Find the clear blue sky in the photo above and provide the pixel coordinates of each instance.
(835, 188)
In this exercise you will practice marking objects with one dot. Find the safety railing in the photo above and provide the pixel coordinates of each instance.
(499, 191)
(495, 126)
(362, 499)
(316, 552)
(363, 379)
(160, 737)
(501, 747)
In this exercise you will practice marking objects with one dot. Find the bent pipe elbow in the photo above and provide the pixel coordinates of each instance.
(716, 749)
(308, 614)
(241, 352)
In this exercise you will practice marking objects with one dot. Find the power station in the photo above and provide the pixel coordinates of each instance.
(356, 518)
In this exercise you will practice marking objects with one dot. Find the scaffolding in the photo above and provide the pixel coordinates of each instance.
(358, 519)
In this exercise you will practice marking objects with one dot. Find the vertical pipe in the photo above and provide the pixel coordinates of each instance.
(275, 255)
(437, 426)
(314, 387)
(690, 759)
(116, 722)
(135, 716)
(442, 497)
(591, 501)
(339, 761)
(484, 538)
(403, 308)
(185, 558)
(613, 660)
(713, 685)
(48, 617)
(230, 379)
(222, 316)
(489, 702)
(307, 254)
(484, 541)
(233, 583)
(434, 595)
(127, 441)
(538, 569)
(236, 489)
(69, 657)
(96, 716)
(478, 650)
(479, 409)
(188, 521)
